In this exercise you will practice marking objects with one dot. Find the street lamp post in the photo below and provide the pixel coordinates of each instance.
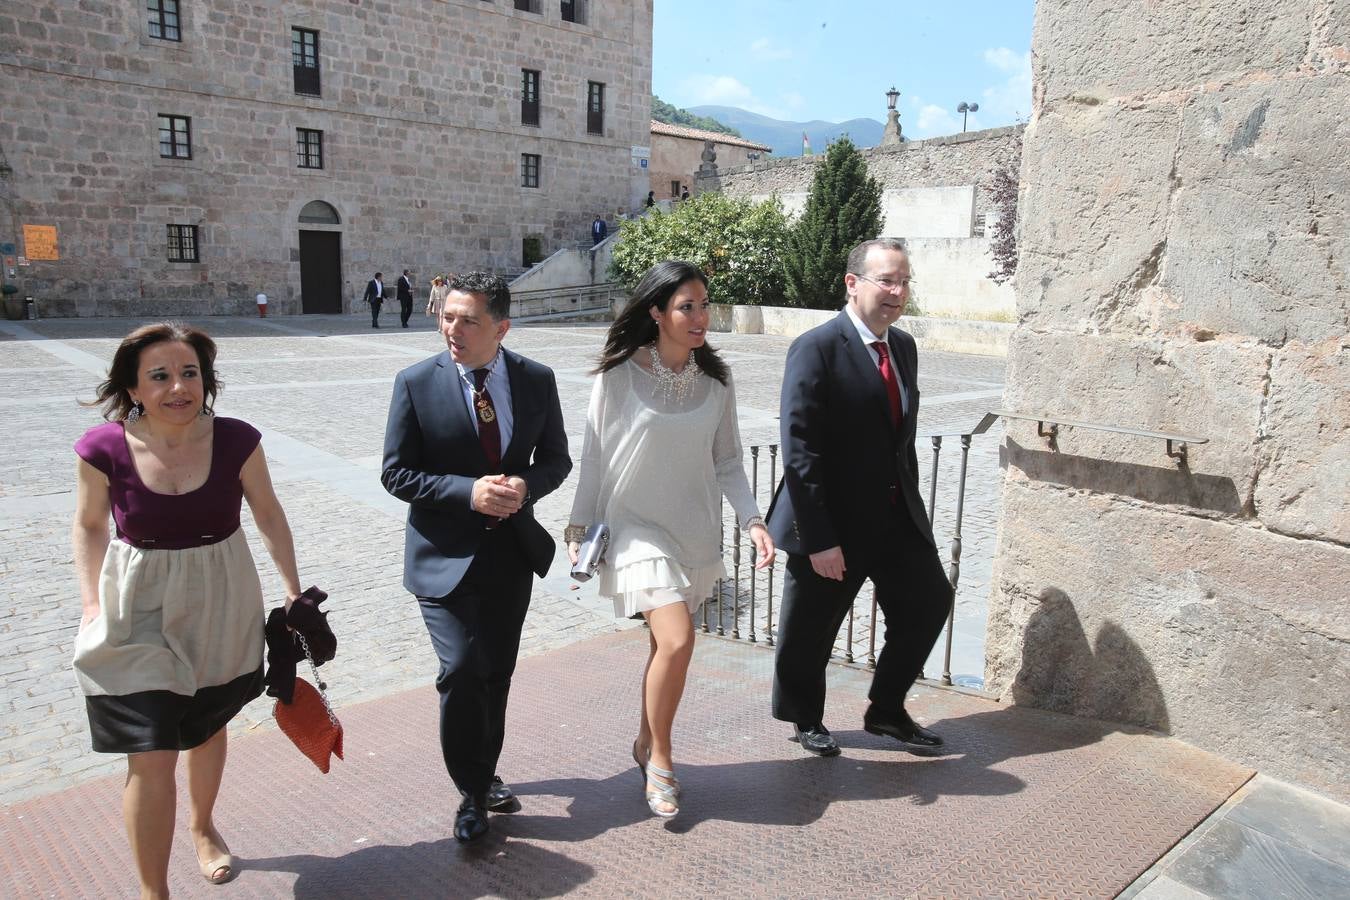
(964, 108)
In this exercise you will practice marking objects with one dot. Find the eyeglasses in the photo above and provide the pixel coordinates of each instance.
(886, 284)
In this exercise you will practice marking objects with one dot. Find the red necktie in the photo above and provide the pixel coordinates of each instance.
(489, 433)
(889, 379)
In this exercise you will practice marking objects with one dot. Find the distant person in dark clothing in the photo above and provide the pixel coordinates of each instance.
(651, 199)
(404, 298)
(684, 194)
(375, 297)
(599, 231)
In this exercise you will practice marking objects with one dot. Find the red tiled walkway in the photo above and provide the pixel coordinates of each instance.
(1028, 803)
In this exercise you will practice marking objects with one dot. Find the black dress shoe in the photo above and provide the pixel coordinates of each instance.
(913, 736)
(500, 797)
(815, 739)
(471, 821)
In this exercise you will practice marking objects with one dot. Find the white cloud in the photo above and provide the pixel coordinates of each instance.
(934, 120)
(1010, 99)
(768, 50)
(723, 90)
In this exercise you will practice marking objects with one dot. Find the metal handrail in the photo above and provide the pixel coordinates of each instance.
(731, 536)
(1176, 443)
(546, 293)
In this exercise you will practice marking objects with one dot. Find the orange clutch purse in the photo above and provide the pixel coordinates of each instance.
(309, 721)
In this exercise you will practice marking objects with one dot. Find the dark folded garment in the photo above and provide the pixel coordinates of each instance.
(284, 650)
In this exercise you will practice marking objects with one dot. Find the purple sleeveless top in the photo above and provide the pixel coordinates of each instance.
(155, 521)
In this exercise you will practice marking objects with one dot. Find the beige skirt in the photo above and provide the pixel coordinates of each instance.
(172, 620)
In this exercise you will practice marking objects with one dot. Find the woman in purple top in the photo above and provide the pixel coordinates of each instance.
(170, 645)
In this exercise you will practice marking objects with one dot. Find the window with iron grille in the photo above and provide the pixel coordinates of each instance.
(533, 6)
(175, 137)
(529, 97)
(182, 243)
(305, 60)
(529, 170)
(595, 108)
(164, 22)
(574, 11)
(308, 148)
(675, 189)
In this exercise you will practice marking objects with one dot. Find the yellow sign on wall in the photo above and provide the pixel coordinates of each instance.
(39, 242)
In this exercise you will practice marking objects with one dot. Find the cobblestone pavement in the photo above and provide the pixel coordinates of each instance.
(318, 388)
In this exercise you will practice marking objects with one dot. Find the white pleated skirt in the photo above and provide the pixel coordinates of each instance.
(649, 584)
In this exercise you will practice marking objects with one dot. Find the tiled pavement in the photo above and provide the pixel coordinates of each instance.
(1026, 804)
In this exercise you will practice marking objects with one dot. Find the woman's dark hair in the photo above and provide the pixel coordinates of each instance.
(635, 326)
(126, 364)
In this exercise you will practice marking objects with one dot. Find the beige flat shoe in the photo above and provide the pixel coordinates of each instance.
(220, 869)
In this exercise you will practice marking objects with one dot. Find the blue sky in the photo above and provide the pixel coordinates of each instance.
(802, 59)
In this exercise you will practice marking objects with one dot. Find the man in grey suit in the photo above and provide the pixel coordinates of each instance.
(475, 437)
(848, 507)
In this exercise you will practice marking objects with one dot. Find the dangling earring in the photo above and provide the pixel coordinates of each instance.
(137, 410)
(207, 412)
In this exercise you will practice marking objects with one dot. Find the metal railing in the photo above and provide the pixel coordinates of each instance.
(569, 299)
(737, 599)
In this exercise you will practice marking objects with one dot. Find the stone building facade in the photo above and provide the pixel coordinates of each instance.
(933, 195)
(677, 153)
(1185, 267)
(191, 154)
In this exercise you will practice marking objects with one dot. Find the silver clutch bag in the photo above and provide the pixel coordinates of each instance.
(592, 551)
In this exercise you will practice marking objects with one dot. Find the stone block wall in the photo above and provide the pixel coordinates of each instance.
(957, 160)
(1183, 267)
(422, 141)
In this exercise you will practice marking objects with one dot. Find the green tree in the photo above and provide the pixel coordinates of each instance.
(739, 244)
(842, 210)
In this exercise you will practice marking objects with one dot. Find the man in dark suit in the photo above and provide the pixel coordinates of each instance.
(848, 507)
(599, 231)
(404, 288)
(375, 297)
(475, 437)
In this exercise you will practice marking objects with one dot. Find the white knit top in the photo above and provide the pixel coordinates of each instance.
(655, 470)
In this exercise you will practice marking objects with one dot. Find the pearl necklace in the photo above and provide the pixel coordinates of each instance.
(674, 387)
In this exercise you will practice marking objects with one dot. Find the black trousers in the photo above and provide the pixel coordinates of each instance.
(375, 313)
(405, 310)
(476, 633)
(915, 597)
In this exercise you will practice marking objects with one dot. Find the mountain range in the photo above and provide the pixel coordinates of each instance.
(786, 137)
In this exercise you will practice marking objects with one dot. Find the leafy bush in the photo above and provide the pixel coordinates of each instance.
(738, 243)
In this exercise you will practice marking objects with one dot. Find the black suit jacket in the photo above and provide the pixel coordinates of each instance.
(841, 455)
(374, 291)
(404, 288)
(432, 456)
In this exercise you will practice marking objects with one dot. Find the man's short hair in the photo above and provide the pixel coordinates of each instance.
(491, 286)
(857, 257)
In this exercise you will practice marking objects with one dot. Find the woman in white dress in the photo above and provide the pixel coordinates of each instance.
(660, 450)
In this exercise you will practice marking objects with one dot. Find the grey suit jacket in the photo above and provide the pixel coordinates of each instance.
(432, 456)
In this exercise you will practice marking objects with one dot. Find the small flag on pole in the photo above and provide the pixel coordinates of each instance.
(806, 145)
